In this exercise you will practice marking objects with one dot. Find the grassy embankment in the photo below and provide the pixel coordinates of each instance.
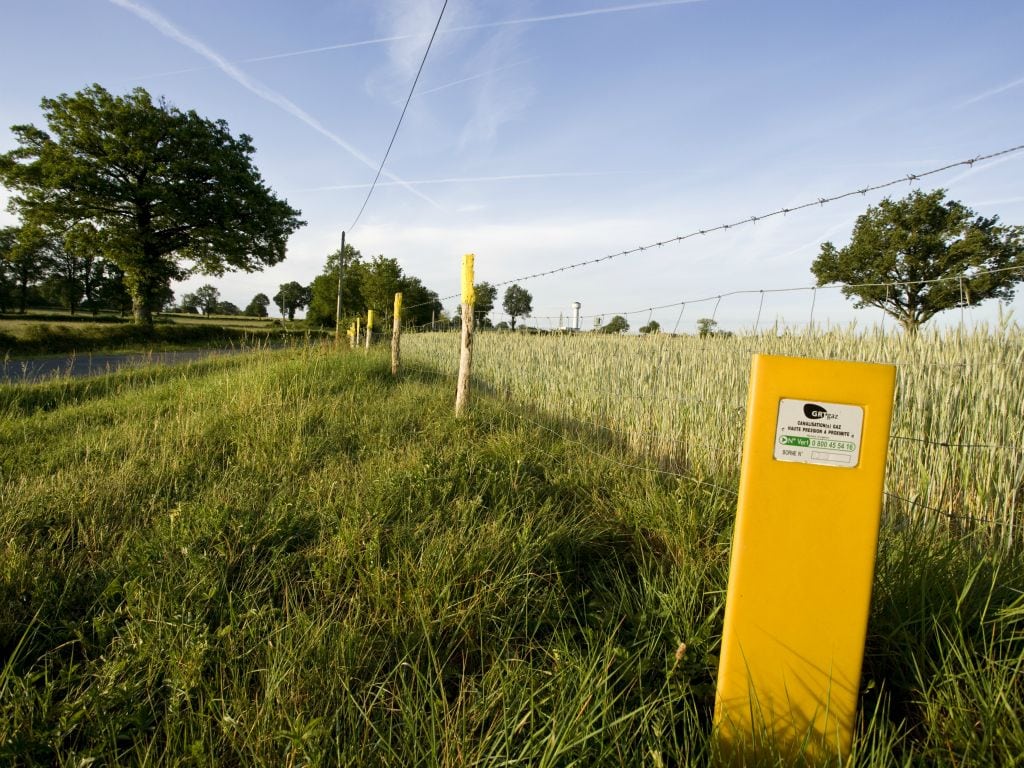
(289, 558)
(53, 334)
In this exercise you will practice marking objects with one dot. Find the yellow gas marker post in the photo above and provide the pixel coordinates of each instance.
(803, 556)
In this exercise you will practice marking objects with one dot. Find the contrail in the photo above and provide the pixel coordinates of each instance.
(339, 46)
(468, 28)
(993, 92)
(575, 14)
(168, 29)
(471, 78)
(271, 57)
(465, 180)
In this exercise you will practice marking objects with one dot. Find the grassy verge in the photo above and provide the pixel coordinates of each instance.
(24, 338)
(290, 559)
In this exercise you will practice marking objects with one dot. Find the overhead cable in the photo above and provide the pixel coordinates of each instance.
(400, 118)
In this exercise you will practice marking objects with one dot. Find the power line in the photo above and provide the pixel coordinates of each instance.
(819, 202)
(400, 117)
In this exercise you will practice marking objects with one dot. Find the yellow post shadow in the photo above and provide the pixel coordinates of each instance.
(803, 556)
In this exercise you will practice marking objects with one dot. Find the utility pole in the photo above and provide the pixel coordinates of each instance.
(337, 312)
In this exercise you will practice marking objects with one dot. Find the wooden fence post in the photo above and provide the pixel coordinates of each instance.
(358, 332)
(396, 333)
(466, 353)
(369, 327)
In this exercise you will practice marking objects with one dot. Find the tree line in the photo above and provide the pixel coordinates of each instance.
(39, 268)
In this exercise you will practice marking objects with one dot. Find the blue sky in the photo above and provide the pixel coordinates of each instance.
(549, 132)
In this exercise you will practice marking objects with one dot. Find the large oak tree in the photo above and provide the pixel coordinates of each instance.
(918, 256)
(168, 192)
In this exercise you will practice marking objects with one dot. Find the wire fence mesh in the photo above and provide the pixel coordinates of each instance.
(677, 404)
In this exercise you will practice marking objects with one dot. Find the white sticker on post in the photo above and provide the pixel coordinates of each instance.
(814, 432)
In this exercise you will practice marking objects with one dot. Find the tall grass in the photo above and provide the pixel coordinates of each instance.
(958, 430)
(293, 559)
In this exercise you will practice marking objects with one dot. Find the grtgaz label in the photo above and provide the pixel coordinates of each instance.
(817, 432)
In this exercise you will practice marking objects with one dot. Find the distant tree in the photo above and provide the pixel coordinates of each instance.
(617, 324)
(652, 327)
(258, 306)
(381, 280)
(83, 243)
(486, 295)
(169, 192)
(420, 305)
(324, 290)
(291, 297)
(706, 326)
(62, 285)
(29, 258)
(189, 303)
(518, 303)
(8, 236)
(114, 295)
(368, 285)
(502, 326)
(920, 255)
(206, 298)
(227, 308)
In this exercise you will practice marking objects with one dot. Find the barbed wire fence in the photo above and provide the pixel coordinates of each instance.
(930, 473)
(620, 450)
(820, 202)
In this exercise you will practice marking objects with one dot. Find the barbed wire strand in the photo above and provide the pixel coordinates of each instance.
(792, 289)
(819, 202)
(955, 517)
(739, 412)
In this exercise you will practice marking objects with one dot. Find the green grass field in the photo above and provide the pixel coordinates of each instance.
(289, 558)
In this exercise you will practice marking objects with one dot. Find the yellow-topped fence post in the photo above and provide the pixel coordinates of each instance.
(803, 557)
(369, 327)
(466, 352)
(396, 332)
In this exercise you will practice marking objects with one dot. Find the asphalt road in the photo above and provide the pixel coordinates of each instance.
(40, 368)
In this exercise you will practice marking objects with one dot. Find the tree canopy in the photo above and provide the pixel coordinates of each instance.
(518, 303)
(205, 299)
(28, 255)
(258, 306)
(707, 326)
(652, 327)
(169, 193)
(291, 297)
(486, 295)
(920, 255)
(369, 285)
(618, 324)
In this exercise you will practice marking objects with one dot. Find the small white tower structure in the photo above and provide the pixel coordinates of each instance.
(575, 316)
